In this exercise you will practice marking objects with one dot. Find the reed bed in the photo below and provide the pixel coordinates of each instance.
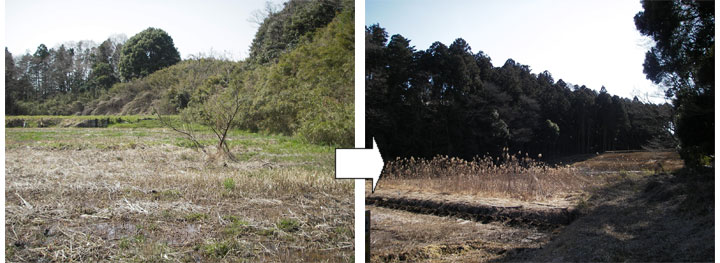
(510, 176)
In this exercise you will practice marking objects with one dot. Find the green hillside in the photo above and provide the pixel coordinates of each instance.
(297, 81)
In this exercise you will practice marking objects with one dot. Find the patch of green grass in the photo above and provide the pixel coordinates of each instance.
(288, 225)
(124, 243)
(246, 156)
(186, 143)
(139, 124)
(237, 226)
(266, 232)
(196, 217)
(139, 238)
(152, 227)
(18, 135)
(229, 184)
(218, 249)
(293, 145)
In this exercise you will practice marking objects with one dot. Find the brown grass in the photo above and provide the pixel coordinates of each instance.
(398, 235)
(657, 218)
(159, 202)
(633, 161)
(517, 178)
(636, 206)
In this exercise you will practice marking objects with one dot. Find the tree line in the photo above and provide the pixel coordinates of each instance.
(73, 68)
(82, 71)
(298, 79)
(448, 100)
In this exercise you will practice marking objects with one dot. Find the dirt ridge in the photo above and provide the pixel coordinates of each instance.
(509, 215)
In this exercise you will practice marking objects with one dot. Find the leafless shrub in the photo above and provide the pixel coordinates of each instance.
(218, 110)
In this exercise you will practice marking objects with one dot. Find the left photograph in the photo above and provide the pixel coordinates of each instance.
(150, 131)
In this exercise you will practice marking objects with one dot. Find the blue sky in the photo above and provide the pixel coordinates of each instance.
(590, 43)
(195, 26)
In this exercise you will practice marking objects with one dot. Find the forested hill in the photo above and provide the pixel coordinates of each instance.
(450, 101)
(297, 80)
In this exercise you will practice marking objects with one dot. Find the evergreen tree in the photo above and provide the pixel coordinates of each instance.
(148, 51)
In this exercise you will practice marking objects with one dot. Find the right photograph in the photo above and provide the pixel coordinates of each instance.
(539, 131)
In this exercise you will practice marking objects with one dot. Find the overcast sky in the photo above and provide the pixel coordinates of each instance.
(590, 43)
(195, 26)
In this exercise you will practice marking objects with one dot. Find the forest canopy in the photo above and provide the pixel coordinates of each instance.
(447, 100)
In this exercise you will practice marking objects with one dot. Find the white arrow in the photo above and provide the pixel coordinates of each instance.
(359, 163)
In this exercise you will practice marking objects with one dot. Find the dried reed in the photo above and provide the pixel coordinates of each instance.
(508, 176)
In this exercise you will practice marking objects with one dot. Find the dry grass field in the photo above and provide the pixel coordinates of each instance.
(620, 206)
(141, 195)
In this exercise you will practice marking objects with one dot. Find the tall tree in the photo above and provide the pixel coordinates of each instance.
(683, 60)
(11, 87)
(101, 78)
(40, 68)
(61, 69)
(148, 51)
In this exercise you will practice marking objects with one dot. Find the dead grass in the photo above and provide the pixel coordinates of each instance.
(635, 207)
(658, 218)
(404, 236)
(517, 178)
(162, 202)
(633, 161)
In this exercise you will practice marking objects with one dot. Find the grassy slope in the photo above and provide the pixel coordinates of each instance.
(138, 194)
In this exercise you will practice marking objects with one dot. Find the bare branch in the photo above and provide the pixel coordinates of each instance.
(187, 131)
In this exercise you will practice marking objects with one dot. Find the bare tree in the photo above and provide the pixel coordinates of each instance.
(185, 129)
(219, 113)
(217, 108)
(258, 16)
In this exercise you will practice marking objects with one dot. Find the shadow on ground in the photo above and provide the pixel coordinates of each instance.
(658, 218)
